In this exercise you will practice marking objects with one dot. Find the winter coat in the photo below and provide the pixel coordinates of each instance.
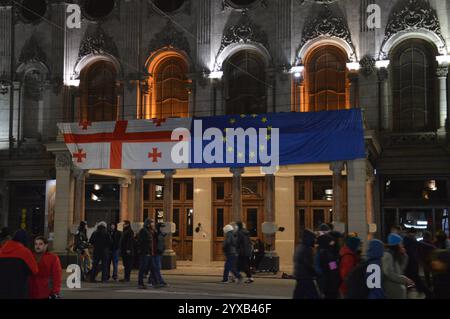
(101, 241)
(16, 265)
(375, 253)
(81, 241)
(412, 249)
(160, 246)
(349, 260)
(245, 248)
(328, 262)
(303, 257)
(230, 244)
(115, 238)
(394, 282)
(48, 280)
(126, 243)
(145, 242)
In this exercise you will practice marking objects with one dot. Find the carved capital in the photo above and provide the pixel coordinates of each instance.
(337, 167)
(237, 172)
(442, 72)
(383, 74)
(63, 160)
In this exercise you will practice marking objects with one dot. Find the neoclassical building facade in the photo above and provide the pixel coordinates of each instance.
(147, 59)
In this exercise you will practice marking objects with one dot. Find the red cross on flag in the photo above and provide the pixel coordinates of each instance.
(136, 144)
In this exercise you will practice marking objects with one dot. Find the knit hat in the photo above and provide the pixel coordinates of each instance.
(228, 228)
(21, 236)
(324, 227)
(353, 243)
(394, 239)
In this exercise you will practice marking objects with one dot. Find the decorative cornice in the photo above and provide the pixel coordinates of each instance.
(413, 15)
(97, 42)
(169, 36)
(32, 52)
(367, 65)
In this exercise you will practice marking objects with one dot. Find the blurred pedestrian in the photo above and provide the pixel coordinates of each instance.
(126, 246)
(102, 242)
(81, 247)
(146, 251)
(245, 251)
(115, 235)
(441, 274)
(350, 258)
(306, 285)
(442, 241)
(327, 267)
(230, 251)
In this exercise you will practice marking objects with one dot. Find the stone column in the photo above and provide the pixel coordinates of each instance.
(138, 196)
(236, 193)
(202, 241)
(357, 197)
(353, 81)
(370, 206)
(169, 256)
(269, 210)
(338, 218)
(386, 111)
(80, 200)
(124, 186)
(442, 72)
(64, 203)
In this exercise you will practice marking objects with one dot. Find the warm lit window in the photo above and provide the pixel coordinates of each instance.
(326, 80)
(99, 96)
(245, 84)
(414, 86)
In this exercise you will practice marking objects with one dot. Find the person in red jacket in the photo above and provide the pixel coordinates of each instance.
(349, 260)
(16, 266)
(46, 284)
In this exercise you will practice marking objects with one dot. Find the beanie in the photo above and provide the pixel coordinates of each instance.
(394, 239)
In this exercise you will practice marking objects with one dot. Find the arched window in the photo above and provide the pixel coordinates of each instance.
(245, 91)
(414, 86)
(326, 85)
(170, 88)
(99, 92)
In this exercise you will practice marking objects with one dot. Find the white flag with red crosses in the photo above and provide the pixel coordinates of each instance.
(135, 144)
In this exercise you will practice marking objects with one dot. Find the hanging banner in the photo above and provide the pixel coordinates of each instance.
(220, 141)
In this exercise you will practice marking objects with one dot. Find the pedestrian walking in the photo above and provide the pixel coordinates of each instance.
(81, 247)
(245, 250)
(102, 242)
(306, 285)
(327, 267)
(349, 260)
(126, 246)
(46, 284)
(146, 251)
(115, 235)
(230, 250)
(159, 237)
(17, 264)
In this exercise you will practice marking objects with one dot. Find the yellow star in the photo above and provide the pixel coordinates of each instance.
(225, 130)
(254, 116)
(264, 120)
(232, 121)
(268, 137)
(262, 147)
(252, 154)
(243, 116)
(240, 155)
(269, 128)
(230, 149)
(224, 139)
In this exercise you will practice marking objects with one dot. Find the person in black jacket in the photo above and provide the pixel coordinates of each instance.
(159, 237)
(114, 252)
(245, 250)
(126, 246)
(81, 245)
(304, 273)
(327, 264)
(102, 243)
(147, 249)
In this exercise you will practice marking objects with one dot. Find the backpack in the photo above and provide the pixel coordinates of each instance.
(356, 282)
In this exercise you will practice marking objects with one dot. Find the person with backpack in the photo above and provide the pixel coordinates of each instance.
(306, 286)
(327, 266)
(349, 260)
(245, 250)
(126, 246)
(394, 263)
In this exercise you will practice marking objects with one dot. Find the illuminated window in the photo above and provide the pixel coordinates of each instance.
(326, 79)
(414, 86)
(245, 84)
(99, 92)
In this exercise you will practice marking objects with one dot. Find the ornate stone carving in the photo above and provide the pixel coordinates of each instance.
(383, 74)
(63, 160)
(32, 52)
(326, 25)
(367, 65)
(97, 42)
(243, 32)
(413, 15)
(442, 72)
(412, 139)
(169, 36)
(57, 84)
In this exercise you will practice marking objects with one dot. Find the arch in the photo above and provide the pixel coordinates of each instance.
(92, 58)
(326, 82)
(168, 87)
(325, 40)
(245, 83)
(401, 36)
(234, 48)
(413, 68)
(31, 66)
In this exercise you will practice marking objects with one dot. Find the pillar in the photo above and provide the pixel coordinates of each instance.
(64, 203)
(202, 241)
(338, 216)
(169, 255)
(386, 111)
(442, 72)
(236, 194)
(357, 197)
(285, 217)
(353, 82)
(124, 186)
(80, 200)
(269, 210)
(138, 196)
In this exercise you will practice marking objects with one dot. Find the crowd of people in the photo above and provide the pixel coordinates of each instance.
(331, 265)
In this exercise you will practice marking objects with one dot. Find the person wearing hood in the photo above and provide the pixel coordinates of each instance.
(126, 247)
(245, 250)
(102, 243)
(230, 251)
(394, 263)
(147, 249)
(375, 253)
(327, 264)
(349, 260)
(304, 273)
(441, 274)
(81, 245)
(114, 253)
(17, 264)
